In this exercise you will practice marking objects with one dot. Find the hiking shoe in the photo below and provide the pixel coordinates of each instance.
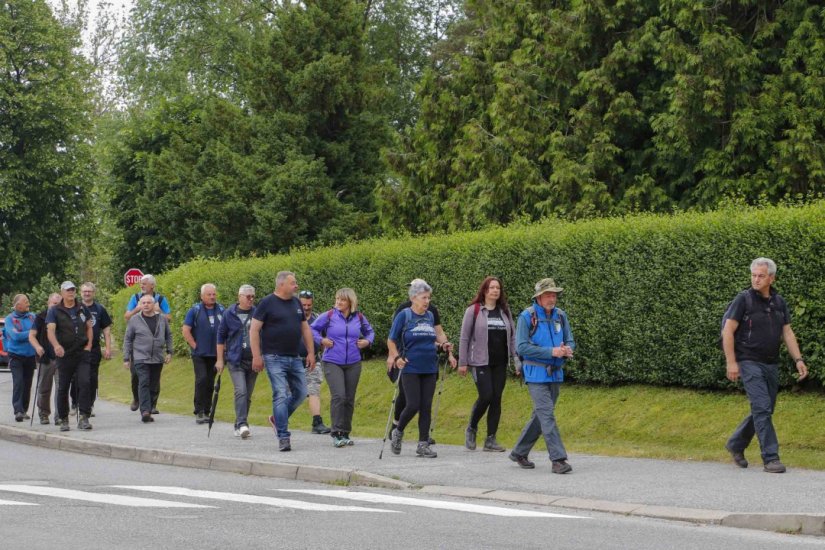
(522, 461)
(284, 445)
(18, 417)
(83, 423)
(338, 440)
(470, 438)
(349, 441)
(64, 424)
(58, 421)
(146, 418)
(134, 406)
(245, 433)
(395, 441)
(490, 444)
(423, 450)
(44, 418)
(202, 418)
(738, 457)
(561, 467)
(774, 467)
(320, 428)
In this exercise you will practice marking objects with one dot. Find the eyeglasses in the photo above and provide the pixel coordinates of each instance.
(306, 294)
(249, 296)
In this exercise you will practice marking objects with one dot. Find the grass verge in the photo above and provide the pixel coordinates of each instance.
(632, 421)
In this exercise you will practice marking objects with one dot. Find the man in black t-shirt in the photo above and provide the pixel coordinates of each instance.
(759, 320)
(101, 326)
(277, 326)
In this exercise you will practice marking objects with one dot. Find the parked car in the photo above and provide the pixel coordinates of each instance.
(4, 357)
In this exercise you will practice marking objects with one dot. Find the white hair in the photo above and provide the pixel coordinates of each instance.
(770, 264)
(148, 279)
(417, 286)
(246, 289)
(206, 286)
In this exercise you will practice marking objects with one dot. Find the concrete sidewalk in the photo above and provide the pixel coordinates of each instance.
(703, 492)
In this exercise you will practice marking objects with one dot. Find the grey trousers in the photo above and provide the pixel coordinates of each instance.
(342, 381)
(243, 378)
(761, 382)
(46, 377)
(542, 421)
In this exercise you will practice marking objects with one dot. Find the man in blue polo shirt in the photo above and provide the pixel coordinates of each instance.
(200, 330)
(277, 326)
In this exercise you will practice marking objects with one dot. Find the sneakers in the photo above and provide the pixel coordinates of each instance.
(490, 444)
(202, 419)
(44, 418)
(470, 438)
(774, 467)
(83, 423)
(64, 424)
(134, 406)
(738, 457)
(146, 418)
(58, 421)
(18, 417)
(338, 440)
(244, 432)
(423, 450)
(284, 445)
(561, 467)
(349, 441)
(318, 426)
(395, 441)
(522, 461)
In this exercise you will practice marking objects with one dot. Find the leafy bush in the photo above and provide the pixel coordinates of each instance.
(645, 293)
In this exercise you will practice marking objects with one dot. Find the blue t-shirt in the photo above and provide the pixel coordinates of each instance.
(204, 323)
(418, 335)
(160, 300)
(281, 329)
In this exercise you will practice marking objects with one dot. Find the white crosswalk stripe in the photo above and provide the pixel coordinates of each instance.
(101, 498)
(379, 498)
(251, 499)
(15, 503)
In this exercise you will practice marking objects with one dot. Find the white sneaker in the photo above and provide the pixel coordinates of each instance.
(237, 432)
(245, 433)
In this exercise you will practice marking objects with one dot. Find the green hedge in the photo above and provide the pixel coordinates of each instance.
(645, 293)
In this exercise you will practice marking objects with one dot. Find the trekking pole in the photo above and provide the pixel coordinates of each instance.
(392, 412)
(36, 389)
(438, 397)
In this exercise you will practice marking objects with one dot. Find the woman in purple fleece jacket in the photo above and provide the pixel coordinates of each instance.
(342, 332)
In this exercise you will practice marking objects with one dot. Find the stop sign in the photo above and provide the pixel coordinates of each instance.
(132, 276)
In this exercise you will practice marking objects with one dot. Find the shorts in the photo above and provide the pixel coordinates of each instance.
(314, 379)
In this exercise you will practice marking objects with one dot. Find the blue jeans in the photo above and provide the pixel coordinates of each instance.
(761, 382)
(289, 388)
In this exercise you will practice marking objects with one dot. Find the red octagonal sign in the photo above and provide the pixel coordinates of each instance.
(132, 277)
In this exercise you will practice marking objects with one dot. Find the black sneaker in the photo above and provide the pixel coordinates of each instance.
(202, 418)
(320, 428)
(44, 418)
(134, 406)
(64, 425)
(423, 450)
(18, 417)
(395, 441)
(58, 421)
(490, 444)
(522, 461)
(561, 467)
(284, 445)
(738, 457)
(774, 467)
(83, 423)
(146, 418)
(470, 438)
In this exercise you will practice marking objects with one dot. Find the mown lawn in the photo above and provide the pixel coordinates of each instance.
(634, 421)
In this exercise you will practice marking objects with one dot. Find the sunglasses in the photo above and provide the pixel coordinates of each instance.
(249, 296)
(306, 294)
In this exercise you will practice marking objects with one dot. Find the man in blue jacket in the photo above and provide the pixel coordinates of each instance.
(544, 341)
(200, 330)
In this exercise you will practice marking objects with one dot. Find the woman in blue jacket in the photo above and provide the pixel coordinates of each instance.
(21, 354)
(342, 332)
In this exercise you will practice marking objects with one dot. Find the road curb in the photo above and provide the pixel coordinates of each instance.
(262, 468)
(803, 524)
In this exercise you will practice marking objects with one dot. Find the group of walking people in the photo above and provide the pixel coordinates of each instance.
(281, 333)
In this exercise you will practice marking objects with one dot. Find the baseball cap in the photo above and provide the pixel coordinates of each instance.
(67, 285)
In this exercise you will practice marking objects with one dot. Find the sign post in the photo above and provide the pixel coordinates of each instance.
(132, 276)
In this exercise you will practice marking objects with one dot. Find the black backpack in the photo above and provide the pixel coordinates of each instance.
(728, 311)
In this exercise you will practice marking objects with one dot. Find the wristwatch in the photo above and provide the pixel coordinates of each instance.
(798, 359)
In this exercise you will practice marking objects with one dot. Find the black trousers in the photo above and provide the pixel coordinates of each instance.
(149, 378)
(419, 390)
(205, 373)
(490, 381)
(154, 389)
(69, 366)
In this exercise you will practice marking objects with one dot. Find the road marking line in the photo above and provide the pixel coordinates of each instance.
(251, 499)
(445, 505)
(14, 503)
(101, 498)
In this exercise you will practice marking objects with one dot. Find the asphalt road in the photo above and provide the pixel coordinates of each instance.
(54, 499)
